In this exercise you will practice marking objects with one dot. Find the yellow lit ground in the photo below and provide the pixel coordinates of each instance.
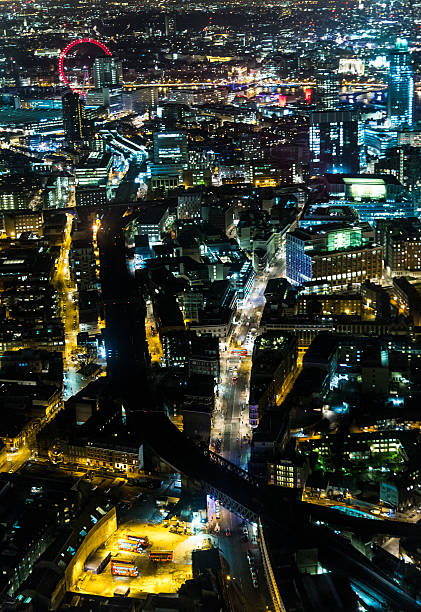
(153, 577)
(154, 343)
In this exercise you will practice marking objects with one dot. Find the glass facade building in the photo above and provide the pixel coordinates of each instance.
(73, 116)
(107, 72)
(336, 142)
(327, 90)
(169, 148)
(400, 90)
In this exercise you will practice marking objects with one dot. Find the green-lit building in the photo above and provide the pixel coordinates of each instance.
(339, 255)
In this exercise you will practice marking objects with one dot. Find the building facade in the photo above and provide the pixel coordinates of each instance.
(336, 142)
(400, 90)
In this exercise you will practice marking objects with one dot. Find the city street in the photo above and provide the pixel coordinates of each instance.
(152, 336)
(67, 297)
(234, 548)
(231, 417)
(231, 437)
(16, 460)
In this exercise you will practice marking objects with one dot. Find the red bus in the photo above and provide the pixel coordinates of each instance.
(161, 556)
(127, 546)
(121, 567)
(142, 542)
(133, 543)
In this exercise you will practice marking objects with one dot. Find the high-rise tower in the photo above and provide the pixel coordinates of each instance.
(336, 142)
(400, 91)
(107, 72)
(170, 24)
(73, 117)
(327, 90)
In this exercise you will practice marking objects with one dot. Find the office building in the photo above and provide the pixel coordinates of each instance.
(288, 473)
(107, 72)
(336, 142)
(400, 91)
(378, 139)
(410, 137)
(273, 367)
(150, 221)
(82, 260)
(217, 316)
(94, 170)
(15, 223)
(16, 192)
(169, 148)
(339, 255)
(373, 196)
(73, 117)
(189, 205)
(351, 65)
(408, 298)
(142, 99)
(91, 195)
(401, 241)
(170, 24)
(327, 90)
(204, 356)
(322, 215)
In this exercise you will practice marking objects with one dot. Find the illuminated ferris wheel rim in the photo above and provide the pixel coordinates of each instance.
(65, 51)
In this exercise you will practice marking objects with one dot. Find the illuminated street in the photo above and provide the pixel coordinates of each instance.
(152, 337)
(16, 460)
(67, 296)
(231, 426)
(231, 420)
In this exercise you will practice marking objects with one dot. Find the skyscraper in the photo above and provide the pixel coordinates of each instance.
(170, 24)
(400, 91)
(73, 116)
(327, 90)
(107, 72)
(336, 142)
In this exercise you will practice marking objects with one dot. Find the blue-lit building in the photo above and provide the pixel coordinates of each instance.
(336, 142)
(327, 89)
(339, 255)
(298, 262)
(378, 139)
(322, 215)
(165, 170)
(400, 92)
(242, 278)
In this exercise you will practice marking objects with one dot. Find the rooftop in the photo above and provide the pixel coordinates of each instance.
(366, 179)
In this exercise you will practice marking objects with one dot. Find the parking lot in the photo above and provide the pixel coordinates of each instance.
(153, 577)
